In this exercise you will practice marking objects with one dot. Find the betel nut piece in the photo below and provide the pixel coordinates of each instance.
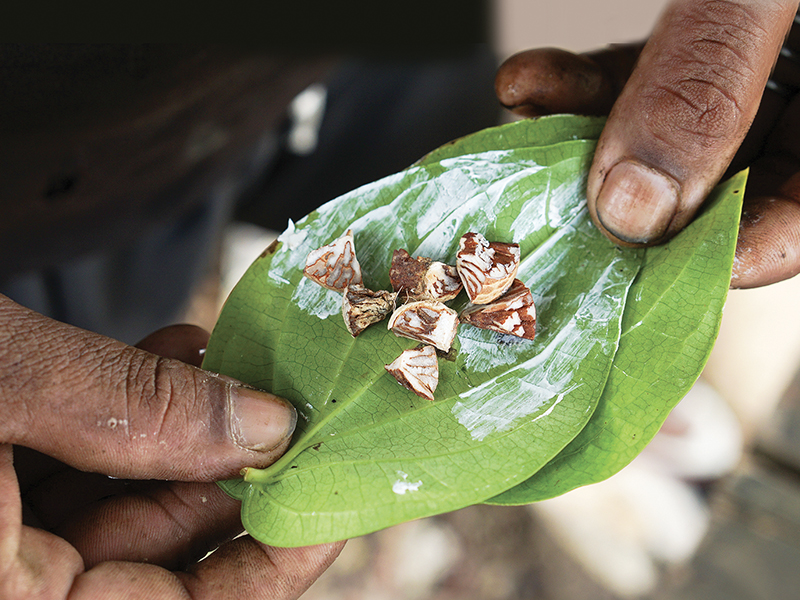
(442, 282)
(334, 265)
(513, 313)
(417, 370)
(361, 307)
(426, 321)
(487, 269)
(422, 278)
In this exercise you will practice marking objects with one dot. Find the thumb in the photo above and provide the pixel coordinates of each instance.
(100, 405)
(682, 115)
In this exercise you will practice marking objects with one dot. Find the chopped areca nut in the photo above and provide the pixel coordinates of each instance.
(417, 370)
(406, 273)
(426, 321)
(513, 313)
(362, 307)
(334, 265)
(487, 269)
(422, 278)
(442, 282)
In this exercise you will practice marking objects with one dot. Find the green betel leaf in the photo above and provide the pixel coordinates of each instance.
(671, 320)
(367, 453)
(543, 131)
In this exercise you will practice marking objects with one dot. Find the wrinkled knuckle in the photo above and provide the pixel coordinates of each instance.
(711, 81)
(733, 29)
(143, 383)
(158, 395)
(702, 112)
(727, 44)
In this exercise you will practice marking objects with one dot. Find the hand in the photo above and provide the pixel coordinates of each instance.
(677, 118)
(79, 407)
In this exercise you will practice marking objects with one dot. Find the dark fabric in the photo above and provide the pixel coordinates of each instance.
(99, 144)
(129, 291)
(119, 166)
(111, 218)
(381, 116)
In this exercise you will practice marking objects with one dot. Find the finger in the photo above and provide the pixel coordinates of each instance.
(170, 525)
(10, 508)
(186, 343)
(772, 106)
(240, 569)
(782, 86)
(100, 405)
(264, 571)
(33, 564)
(769, 235)
(686, 108)
(768, 248)
(34, 467)
(551, 80)
(62, 495)
(52, 490)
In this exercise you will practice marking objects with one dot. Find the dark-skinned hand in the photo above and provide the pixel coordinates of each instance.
(77, 408)
(680, 110)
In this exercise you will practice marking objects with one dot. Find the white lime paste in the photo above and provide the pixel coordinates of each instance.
(402, 485)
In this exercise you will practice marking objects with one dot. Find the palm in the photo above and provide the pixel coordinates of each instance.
(170, 524)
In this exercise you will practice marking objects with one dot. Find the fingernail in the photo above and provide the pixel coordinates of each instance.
(637, 203)
(260, 421)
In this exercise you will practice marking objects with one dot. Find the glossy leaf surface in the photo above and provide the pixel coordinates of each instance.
(671, 320)
(368, 453)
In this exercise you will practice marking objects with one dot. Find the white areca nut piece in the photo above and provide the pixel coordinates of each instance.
(442, 282)
(334, 265)
(513, 313)
(422, 278)
(361, 307)
(487, 269)
(417, 370)
(426, 321)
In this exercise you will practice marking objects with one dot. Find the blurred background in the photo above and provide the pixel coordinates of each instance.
(712, 507)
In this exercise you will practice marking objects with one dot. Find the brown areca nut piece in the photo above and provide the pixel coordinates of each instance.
(513, 313)
(334, 265)
(442, 282)
(487, 269)
(426, 321)
(422, 278)
(417, 370)
(361, 307)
